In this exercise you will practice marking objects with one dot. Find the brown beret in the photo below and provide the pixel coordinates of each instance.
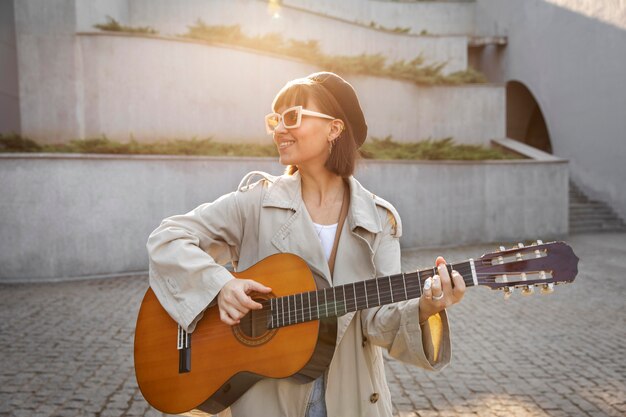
(346, 97)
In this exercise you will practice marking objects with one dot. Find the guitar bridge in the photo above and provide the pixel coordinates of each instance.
(184, 350)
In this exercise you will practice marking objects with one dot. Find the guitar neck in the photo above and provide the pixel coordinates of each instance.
(343, 299)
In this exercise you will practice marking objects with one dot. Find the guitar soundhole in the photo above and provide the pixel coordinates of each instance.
(252, 328)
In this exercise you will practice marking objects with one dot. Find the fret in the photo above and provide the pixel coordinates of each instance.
(349, 297)
(315, 294)
(387, 295)
(360, 298)
(367, 303)
(288, 310)
(368, 287)
(310, 308)
(345, 306)
(302, 306)
(406, 297)
(330, 300)
(297, 307)
(335, 300)
(396, 288)
(271, 313)
(474, 278)
(414, 288)
(325, 302)
(282, 309)
(377, 292)
(419, 280)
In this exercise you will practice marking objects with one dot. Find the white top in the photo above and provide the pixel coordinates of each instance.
(326, 233)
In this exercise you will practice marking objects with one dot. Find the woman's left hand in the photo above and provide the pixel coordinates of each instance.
(438, 292)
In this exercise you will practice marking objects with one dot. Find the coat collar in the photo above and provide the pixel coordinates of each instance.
(286, 193)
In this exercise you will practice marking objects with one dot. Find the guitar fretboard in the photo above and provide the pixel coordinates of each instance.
(343, 299)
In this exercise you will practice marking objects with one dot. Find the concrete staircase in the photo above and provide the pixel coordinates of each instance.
(590, 216)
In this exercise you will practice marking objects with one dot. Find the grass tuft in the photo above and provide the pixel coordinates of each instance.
(430, 150)
(113, 25)
(373, 148)
(365, 64)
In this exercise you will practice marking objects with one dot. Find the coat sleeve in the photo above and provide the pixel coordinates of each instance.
(396, 326)
(186, 253)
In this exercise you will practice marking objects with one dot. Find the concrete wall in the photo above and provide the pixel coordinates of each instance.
(85, 215)
(50, 79)
(9, 89)
(571, 55)
(435, 17)
(335, 36)
(201, 90)
(84, 86)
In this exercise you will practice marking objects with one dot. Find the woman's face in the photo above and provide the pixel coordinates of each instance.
(306, 145)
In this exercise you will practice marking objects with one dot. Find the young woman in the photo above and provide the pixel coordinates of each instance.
(318, 211)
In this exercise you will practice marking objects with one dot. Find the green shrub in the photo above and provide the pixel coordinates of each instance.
(113, 25)
(374, 148)
(373, 64)
(16, 143)
(103, 145)
(442, 149)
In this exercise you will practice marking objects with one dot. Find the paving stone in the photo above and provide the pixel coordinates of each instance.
(527, 356)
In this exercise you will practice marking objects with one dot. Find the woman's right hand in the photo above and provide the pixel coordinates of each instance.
(234, 302)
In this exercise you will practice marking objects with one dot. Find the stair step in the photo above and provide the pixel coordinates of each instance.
(589, 208)
(600, 216)
(590, 216)
(591, 204)
(600, 224)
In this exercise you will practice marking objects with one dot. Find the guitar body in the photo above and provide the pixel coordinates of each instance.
(294, 335)
(222, 362)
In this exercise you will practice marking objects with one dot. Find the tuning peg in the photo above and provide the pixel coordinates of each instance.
(502, 249)
(528, 290)
(547, 288)
(539, 242)
(520, 245)
(508, 291)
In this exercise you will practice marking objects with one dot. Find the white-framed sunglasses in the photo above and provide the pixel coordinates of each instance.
(291, 118)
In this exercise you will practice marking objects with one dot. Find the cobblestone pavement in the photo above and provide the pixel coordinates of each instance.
(67, 347)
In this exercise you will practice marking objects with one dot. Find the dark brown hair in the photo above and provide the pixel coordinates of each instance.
(300, 92)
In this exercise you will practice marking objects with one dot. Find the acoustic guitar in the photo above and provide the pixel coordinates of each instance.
(294, 334)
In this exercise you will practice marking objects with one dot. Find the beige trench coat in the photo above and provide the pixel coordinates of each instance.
(267, 217)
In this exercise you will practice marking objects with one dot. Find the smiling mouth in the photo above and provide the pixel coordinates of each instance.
(285, 144)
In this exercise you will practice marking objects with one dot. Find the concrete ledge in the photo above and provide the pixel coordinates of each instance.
(123, 79)
(443, 18)
(76, 216)
(337, 34)
(525, 150)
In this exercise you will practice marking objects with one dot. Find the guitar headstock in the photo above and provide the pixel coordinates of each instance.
(540, 265)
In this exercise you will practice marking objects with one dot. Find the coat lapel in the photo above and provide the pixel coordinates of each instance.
(296, 235)
(355, 256)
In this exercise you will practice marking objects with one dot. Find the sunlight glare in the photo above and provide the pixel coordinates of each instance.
(273, 8)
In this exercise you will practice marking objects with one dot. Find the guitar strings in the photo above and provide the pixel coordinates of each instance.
(307, 312)
(321, 310)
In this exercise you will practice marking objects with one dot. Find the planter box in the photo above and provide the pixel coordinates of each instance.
(70, 216)
(125, 90)
(338, 33)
